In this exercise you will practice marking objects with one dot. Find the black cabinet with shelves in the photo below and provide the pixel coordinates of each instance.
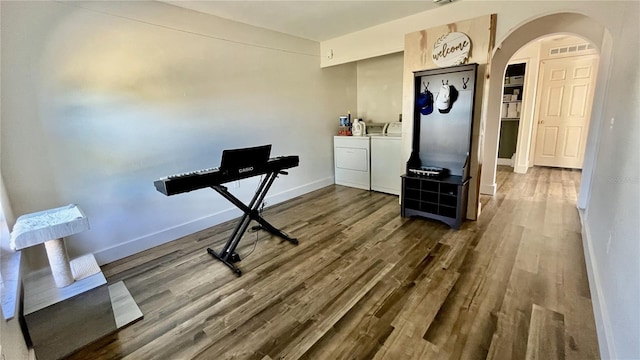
(441, 139)
(442, 199)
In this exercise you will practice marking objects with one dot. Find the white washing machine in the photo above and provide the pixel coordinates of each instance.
(351, 156)
(386, 160)
(386, 164)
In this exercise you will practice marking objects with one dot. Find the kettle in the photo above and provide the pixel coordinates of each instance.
(358, 128)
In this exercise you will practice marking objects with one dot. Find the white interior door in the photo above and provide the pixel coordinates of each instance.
(567, 87)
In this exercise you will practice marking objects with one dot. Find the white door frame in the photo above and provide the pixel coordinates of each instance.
(523, 141)
(562, 23)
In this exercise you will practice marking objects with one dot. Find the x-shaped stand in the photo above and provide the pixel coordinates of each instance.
(228, 255)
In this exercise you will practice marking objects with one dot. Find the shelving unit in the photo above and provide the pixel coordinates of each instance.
(441, 138)
(511, 110)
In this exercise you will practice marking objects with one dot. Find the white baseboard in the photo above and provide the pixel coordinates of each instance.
(521, 169)
(507, 162)
(149, 241)
(603, 322)
(488, 189)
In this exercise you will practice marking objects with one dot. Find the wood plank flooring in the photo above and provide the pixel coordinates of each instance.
(365, 283)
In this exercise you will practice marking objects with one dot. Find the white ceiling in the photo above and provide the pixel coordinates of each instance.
(310, 19)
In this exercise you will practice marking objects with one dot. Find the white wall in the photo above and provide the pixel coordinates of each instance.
(380, 88)
(12, 344)
(610, 185)
(102, 98)
(613, 211)
(388, 38)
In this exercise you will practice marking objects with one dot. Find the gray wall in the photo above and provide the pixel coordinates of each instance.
(102, 98)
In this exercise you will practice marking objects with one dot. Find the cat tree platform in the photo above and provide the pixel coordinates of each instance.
(69, 304)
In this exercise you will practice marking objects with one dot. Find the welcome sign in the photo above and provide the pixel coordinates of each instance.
(451, 49)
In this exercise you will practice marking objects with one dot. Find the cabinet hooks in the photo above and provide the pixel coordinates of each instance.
(443, 83)
(464, 83)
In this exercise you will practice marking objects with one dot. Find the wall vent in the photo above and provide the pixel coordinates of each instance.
(570, 49)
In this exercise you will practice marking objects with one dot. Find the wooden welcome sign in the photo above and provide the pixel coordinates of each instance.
(451, 49)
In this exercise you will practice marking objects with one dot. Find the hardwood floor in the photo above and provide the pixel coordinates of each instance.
(365, 283)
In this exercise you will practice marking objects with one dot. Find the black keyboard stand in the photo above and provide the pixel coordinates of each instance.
(228, 255)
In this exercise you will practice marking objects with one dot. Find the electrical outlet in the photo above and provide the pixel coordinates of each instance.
(609, 242)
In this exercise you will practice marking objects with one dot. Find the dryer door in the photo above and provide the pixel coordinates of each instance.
(351, 157)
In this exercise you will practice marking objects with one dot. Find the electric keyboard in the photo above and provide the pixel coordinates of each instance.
(185, 182)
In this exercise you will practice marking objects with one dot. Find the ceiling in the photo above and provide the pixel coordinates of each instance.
(310, 19)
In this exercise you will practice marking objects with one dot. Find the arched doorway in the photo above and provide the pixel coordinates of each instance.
(578, 24)
(546, 103)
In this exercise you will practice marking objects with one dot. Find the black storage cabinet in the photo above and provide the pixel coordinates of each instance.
(441, 139)
(440, 199)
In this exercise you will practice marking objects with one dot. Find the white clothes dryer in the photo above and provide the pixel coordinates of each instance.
(352, 161)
